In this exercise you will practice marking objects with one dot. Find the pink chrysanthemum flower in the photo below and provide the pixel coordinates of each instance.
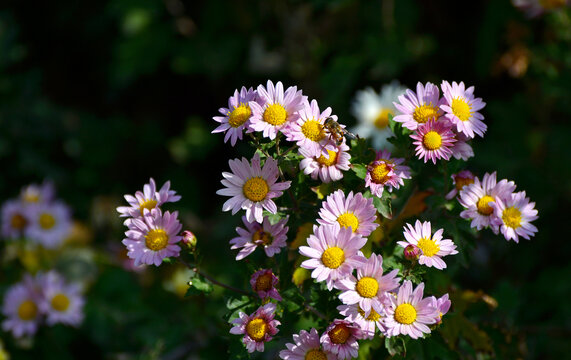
(432, 247)
(50, 223)
(275, 109)
(341, 338)
(264, 283)
(153, 237)
(408, 313)
(417, 108)
(61, 302)
(308, 131)
(21, 309)
(387, 172)
(368, 288)
(434, 140)
(514, 215)
(353, 211)
(257, 328)
(478, 198)
(306, 346)
(328, 168)
(459, 180)
(333, 252)
(252, 188)
(462, 108)
(148, 199)
(236, 116)
(35, 194)
(441, 304)
(15, 218)
(272, 238)
(368, 323)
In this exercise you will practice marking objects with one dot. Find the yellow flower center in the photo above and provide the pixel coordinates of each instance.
(256, 329)
(461, 109)
(18, 222)
(367, 287)
(428, 247)
(333, 257)
(264, 282)
(373, 315)
(348, 220)
(157, 239)
(405, 314)
(379, 173)
(483, 205)
(332, 160)
(60, 302)
(239, 115)
(424, 113)
(315, 354)
(27, 310)
(432, 140)
(47, 221)
(264, 237)
(512, 217)
(313, 130)
(31, 197)
(461, 182)
(339, 334)
(255, 189)
(147, 204)
(382, 119)
(275, 114)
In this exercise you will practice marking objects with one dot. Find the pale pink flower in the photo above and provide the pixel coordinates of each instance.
(459, 180)
(386, 171)
(236, 116)
(61, 302)
(417, 108)
(148, 199)
(21, 308)
(50, 223)
(16, 218)
(461, 108)
(514, 214)
(341, 338)
(308, 132)
(434, 140)
(272, 238)
(264, 283)
(306, 346)
(368, 323)
(441, 304)
(354, 211)
(257, 328)
(328, 168)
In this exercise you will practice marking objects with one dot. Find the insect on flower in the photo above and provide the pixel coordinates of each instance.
(336, 131)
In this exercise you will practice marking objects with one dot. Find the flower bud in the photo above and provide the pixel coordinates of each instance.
(411, 252)
(189, 239)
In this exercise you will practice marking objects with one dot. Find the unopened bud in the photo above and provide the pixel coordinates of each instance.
(189, 239)
(411, 252)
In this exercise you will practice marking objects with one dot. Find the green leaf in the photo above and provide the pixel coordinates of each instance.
(199, 285)
(395, 345)
(383, 205)
(360, 170)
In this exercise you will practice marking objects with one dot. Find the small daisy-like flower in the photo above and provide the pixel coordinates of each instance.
(372, 112)
(257, 328)
(264, 283)
(461, 108)
(328, 168)
(271, 237)
(434, 140)
(479, 197)
(21, 309)
(432, 247)
(153, 237)
(408, 313)
(461, 179)
(306, 346)
(15, 218)
(308, 131)
(236, 116)
(333, 252)
(34, 194)
(368, 323)
(275, 109)
(461, 150)
(341, 338)
(441, 304)
(252, 187)
(353, 211)
(149, 199)
(368, 288)
(387, 172)
(61, 302)
(514, 215)
(417, 108)
(49, 224)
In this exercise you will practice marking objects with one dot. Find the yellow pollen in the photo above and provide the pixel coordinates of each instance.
(60, 302)
(264, 282)
(147, 204)
(18, 222)
(27, 310)
(461, 109)
(333, 257)
(275, 114)
(256, 329)
(424, 113)
(315, 354)
(405, 314)
(367, 287)
(428, 247)
(432, 140)
(255, 189)
(379, 173)
(261, 237)
(157, 239)
(339, 334)
(373, 315)
(483, 205)
(239, 115)
(461, 182)
(47, 221)
(348, 220)
(332, 160)
(382, 120)
(512, 217)
(313, 130)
